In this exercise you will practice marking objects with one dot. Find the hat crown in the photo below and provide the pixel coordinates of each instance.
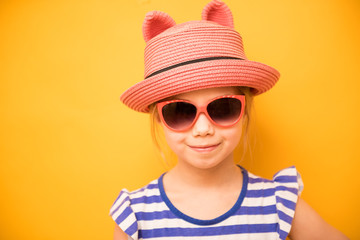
(168, 44)
(190, 41)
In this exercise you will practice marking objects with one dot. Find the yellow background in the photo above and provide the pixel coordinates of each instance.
(68, 145)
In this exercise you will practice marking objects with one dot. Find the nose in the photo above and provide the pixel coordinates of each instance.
(202, 126)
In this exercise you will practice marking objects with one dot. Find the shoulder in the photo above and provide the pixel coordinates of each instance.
(141, 195)
(278, 196)
(287, 179)
(128, 204)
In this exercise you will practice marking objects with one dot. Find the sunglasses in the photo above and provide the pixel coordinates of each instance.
(181, 115)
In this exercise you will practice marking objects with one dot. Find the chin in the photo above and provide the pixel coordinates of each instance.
(206, 163)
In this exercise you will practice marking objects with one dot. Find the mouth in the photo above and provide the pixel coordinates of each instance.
(205, 148)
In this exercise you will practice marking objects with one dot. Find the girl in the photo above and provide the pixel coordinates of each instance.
(198, 89)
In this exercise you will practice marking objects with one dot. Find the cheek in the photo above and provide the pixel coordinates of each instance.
(173, 139)
(233, 135)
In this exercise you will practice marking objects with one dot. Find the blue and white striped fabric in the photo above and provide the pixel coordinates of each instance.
(264, 210)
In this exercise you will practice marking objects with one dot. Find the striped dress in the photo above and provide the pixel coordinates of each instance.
(264, 210)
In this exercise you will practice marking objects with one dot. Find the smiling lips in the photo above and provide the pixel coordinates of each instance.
(204, 149)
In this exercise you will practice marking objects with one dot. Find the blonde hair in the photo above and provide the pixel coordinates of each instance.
(169, 157)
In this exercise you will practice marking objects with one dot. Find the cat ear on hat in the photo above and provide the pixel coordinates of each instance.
(156, 22)
(217, 11)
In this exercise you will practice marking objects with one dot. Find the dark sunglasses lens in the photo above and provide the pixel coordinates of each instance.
(179, 115)
(225, 111)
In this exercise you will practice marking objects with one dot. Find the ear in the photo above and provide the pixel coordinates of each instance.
(156, 22)
(218, 12)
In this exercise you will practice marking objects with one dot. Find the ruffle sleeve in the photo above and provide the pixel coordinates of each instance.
(288, 186)
(122, 213)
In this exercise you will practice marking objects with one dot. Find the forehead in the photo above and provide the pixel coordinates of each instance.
(207, 94)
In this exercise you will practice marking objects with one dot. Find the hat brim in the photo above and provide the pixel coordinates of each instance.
(187, 78)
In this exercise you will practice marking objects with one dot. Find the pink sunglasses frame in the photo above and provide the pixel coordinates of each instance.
(201, 109)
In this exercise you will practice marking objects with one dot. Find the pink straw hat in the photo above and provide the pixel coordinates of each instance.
(195, 55)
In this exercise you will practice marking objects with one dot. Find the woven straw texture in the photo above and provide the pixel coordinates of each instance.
(194, 55)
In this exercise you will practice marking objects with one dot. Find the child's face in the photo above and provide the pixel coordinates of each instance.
(205, 145)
